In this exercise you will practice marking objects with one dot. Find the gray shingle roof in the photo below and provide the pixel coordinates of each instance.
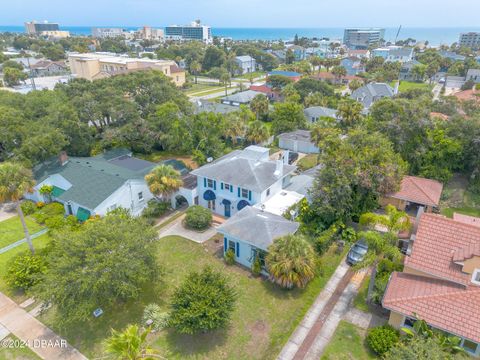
(217, 108)
(94, 179)
(258, 228)
(236, 169)
(300, 135)
(245, 58)
(371, 92)
(319, 111)
(242, 97)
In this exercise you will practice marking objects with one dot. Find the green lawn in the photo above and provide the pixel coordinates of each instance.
(308, 162)
(408, 85)
(255, 74)
(11, 230)
(457, 198)
(360, 301)
(15, 353)
(348, 343)
(262, 321)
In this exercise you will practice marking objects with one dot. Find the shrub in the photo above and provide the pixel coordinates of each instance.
(48, 211)
(40, 204)
(28, 207)
(55, 222)
(382, 338)
(198, 217)
(230, 257)
(256, 266)
(24, 271)
(154, 317)
(326, 239)
(155, 209)
(205, 301)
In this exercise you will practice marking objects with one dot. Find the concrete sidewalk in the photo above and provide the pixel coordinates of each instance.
(31, 332)
(24, 240)
(296, 340)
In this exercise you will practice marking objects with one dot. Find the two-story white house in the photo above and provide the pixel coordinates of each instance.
(239, 179)
(88, 186)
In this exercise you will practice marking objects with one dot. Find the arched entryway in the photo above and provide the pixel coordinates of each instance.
(180, 201)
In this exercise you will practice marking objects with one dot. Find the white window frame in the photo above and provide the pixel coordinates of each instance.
(476, 272)
(140, 196)
(241, 193)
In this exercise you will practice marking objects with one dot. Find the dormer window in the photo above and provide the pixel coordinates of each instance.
(476, 277)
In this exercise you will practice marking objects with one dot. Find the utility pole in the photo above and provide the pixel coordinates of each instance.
(32, 80)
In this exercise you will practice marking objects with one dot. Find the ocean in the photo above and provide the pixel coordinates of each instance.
(435, 36)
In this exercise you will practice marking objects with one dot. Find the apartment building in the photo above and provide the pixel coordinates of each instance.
(35, 28)
(470, 39)
(358, 38)
(93, 66)
(194, 31)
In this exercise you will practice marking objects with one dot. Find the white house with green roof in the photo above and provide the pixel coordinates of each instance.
(89, 186)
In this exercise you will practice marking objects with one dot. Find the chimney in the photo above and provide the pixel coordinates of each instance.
(63, 158)
(279, 168)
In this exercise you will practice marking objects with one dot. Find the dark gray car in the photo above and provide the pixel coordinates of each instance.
(357, 252)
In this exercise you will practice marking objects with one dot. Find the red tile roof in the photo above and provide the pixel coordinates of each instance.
(437, 240)
(468, 95)
(466, 219)
(419, 190)
(175, 69)
(439, 115)
(442, 304)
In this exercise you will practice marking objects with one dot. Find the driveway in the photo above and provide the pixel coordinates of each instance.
(33, 334)
(176, 228)
(7, 210)
(314, 332)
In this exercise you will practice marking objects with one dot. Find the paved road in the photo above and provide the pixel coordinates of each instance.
(39, 338)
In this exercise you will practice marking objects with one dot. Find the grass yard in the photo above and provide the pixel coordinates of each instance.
(157, 156)
(360, 301)
(348, 342)
(11, 230)
(307, 162)
(408, 85)
(15, 353)
(457, 198)
(262, 321)
(255, 75)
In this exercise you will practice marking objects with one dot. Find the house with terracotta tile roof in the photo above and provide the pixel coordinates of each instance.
(415, 192)
(440, 282)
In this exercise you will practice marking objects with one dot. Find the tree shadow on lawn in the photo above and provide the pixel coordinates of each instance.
(199, 344)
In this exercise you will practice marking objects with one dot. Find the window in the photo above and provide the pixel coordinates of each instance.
(408, 322)
(470, 346)
(231, 245)
(245, 193)
(140, 196)
(268, 192)
(476, 276)
(227, 186)
(210, 183)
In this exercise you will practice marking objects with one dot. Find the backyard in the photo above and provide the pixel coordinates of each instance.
(348, 342)
(457, 198)
(262, 321)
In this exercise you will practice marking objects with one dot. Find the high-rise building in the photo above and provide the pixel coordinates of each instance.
(470, 39)
(149, 33)
(34, 28)
(358, 38)
(194, 31)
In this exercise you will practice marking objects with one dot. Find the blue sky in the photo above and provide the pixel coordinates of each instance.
(251, 13)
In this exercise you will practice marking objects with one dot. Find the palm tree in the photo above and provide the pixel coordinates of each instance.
(235, 127)
(339, 72)
(291, 261)
(257, 132)
(15, 181)
(163, 180)
(130, 344)
(195, 68)
(259, 105)
(349, 112)
(225, 80)
(316, 61)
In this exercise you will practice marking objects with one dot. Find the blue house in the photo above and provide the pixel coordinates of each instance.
(239, 179)
(251, 231)
(353, 65)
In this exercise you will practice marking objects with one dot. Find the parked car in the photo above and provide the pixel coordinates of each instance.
(357, 252)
